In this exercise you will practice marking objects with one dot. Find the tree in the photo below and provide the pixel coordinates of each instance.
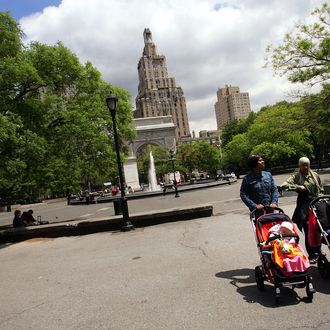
(10, 33)
(236, 153)
(56, 134)
(279, 133)
(21, 153)
(199, 155)
(304, 55)
(317, 120)
(236, 126)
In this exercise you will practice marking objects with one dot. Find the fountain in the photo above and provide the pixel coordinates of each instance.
(152, 175)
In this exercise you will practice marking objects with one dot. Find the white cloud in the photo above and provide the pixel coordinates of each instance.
(208, 43)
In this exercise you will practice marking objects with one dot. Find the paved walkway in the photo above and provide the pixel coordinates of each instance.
(185, 275)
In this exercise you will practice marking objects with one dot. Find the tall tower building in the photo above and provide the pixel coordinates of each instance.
(231, 104)
(158, 94)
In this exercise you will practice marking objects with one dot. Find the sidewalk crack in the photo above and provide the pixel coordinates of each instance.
(182, 243)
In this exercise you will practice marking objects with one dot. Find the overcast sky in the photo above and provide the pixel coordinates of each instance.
(207, 43)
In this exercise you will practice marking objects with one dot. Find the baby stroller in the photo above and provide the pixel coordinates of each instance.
(269, 270)
(320, 208)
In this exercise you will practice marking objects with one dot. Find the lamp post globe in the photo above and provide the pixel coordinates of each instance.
(111, 102)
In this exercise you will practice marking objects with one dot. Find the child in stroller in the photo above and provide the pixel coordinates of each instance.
(283, 262)
(286, 252)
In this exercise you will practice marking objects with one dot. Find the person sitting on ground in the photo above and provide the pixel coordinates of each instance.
(17, 221)
(28, 218)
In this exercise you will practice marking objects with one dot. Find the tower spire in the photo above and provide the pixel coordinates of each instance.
(147, 36)
(158, 94)
(149, 46)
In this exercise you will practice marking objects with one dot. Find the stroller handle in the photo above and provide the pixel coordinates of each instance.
(273, 238)
(265, 209)
(315, 200)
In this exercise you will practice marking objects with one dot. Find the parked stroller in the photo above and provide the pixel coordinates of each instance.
(320, 208)
(267, 244)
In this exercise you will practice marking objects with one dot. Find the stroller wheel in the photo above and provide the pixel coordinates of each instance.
(310, 290)
(323, 266)
(259, 277)
(277, 295)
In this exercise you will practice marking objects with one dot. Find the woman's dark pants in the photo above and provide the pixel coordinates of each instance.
(312, 251)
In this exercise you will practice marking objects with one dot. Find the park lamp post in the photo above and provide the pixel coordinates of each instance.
(172, 159)
(112, 106)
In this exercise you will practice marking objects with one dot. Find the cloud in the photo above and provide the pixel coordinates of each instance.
(207, 43)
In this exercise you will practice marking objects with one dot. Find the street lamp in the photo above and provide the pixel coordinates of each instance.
(172, 159)
(112, 106)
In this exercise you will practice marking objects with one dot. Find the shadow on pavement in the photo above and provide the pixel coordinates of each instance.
(320, 285)
(243, 281)
(5, 245)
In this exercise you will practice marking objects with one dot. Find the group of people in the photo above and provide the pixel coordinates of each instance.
(258, 190)
(23, 219)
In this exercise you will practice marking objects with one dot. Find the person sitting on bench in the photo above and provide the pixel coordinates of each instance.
(28, 218)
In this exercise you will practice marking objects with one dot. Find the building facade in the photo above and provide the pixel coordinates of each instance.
(231, 104)
(158, 94)
(213, 137)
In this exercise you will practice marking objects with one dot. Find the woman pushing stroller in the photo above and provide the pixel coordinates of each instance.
(308, 185)
(283, 262)
(258, 188)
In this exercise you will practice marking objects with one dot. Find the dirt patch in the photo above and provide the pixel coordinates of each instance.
(40, 239)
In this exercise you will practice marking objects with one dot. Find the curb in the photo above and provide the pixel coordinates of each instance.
(115, 223)
(181, 189)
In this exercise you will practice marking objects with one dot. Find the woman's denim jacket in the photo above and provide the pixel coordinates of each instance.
(259, 189)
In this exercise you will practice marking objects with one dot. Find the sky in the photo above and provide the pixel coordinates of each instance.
(207, 43)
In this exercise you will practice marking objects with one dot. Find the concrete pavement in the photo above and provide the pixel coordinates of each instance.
(183, 275)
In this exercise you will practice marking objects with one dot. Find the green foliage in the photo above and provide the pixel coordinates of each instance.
(236, 126)
(304, 55)
(56, 131)
(236, 153)
(278, 133)
(10, 42)
(189, 157)
(199, 155)
(21, 153)
(317, 120)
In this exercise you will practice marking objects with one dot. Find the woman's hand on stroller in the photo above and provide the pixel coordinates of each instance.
(301, 188)
(259, 207)
(273, 206)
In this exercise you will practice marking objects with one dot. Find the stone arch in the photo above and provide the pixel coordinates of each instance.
(144, 145)
(158, 131)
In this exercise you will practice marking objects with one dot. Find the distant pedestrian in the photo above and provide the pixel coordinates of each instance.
(258, 188)
(17, 221)
(87, 197)
(308, 185)
(69, 197)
